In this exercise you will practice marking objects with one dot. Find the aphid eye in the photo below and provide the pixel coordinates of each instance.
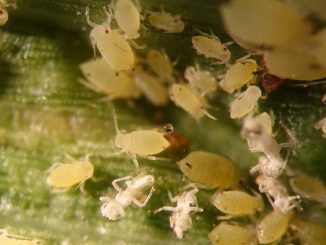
(1, 12)
(168, 128)
(117, 74)
(188, 164)
(106, 31)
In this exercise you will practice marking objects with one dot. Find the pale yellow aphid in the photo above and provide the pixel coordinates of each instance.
(128, 18)
(188, 100)
(112, 45)
(65, 175)
(166, 22)
(209, 170)
(309, 233)
(231, 234)
(141, 142)
(103, 79)
(151, 86)
(266, 121)
(237, 203)
(245, 102)
(239, 74)
(263, 24)
(272, 227)
(10, 239)
(211, 47)
(161, 65)
(3, 15)
(200, 81)
(309, 187)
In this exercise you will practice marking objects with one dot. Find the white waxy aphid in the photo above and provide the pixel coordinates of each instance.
(103, 79)
(245, 102)
(180, 220)
(151, 86)
(227, 234)
(3, 15)
(211, 47)
(189, 101)
(309, 187)
(128, 18)
(112, 45)
(321, 124)
(141, 142)
(309, 232)
(237, 203)
(10, 239)
(166, 22)
(114, 208)
(266, 121)
(263, 24)
(272, 227)
(200, 81)
(209, 170)
(239, 74)
(63, 176)
(161, 65)
(277, 194)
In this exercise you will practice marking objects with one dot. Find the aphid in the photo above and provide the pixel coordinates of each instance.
(112, 45)
(272, 227)
(3, 15)
(180, 220)
(62, 176)
(178, 142)
(113, 208)
(245, 102)
(128, 18)
(10, 239)
(266, 121)
(210, 170)
(103, 79)
(310, 188)
(227, 234)
(200, 81)
(321, 124)
(239, 74)
(276, 194)
(166, 22)
(141, 142)
(161, 65)
(151, 86)
(275, 25)
(237, 203)
(269, 82)
(211, 47)
(188, 100)
(309, 233)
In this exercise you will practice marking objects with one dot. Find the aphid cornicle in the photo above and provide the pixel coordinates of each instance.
(237, 203)
(112, 45)
(309, 232)
(113, 208)
(210, 170)
(272, 227)
(10, 239)
(231, 234)
(166, 22)
(103, 79)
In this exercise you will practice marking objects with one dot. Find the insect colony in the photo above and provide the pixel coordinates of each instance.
(290, 50)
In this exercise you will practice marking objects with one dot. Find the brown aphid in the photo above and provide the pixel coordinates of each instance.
(178, 142)
(269, 82)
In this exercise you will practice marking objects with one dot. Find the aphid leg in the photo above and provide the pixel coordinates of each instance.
(196, 209)
(142, 204)
(54, 166)
(225, 217)
(81, 187)
(136, 46)
(89, 22)
(255, 168)
(247, 56)
(173, 198)
(115, 183)
(105, 198)
(210, 115)
(165, 208)
(134, 160)
(190, 185)
(154, 158)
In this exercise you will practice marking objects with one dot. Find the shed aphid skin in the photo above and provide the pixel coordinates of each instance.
(114, 208)
(210, 46)
(277, 194)
(272, 227)
(266, 121)
(62, 176)
(309, 232)
(245, 102)
(209, 170)
(321, 124)
(200, 81)
(180, 220)
(161, 65)
(239, 74)
(151, 86)
(111, 44)
(143, 142)
(275, 25)
(128, 18)
(11, 239)
(103, 79)
(189, 101)
(309, 188)
(227, 234)
(237, 203)
(166, 22)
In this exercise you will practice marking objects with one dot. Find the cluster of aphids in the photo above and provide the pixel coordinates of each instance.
(275, 31)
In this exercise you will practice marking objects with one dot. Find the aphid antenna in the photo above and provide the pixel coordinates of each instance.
(190, 186)
(109, 14)
(210, 115)
(115, 119)
(89, 22)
